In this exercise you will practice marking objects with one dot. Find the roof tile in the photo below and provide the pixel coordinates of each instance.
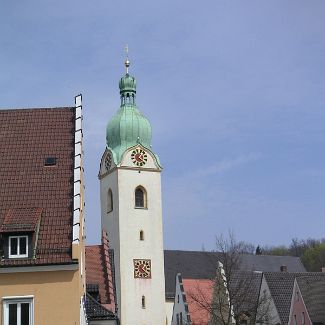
(27, 138)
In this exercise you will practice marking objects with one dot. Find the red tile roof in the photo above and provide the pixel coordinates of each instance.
(25, 219)
(96, 271)
(99, 272)
(199, 297)
(27, 138)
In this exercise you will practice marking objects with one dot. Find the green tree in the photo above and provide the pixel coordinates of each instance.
(313, 257)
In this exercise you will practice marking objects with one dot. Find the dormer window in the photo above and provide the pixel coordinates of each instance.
(19, 231)
(18, 246)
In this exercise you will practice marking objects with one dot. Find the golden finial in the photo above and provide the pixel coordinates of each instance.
(127, 62)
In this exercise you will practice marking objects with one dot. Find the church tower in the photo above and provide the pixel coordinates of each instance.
(131, 211)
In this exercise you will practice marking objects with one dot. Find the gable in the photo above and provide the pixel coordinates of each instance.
(312, 289)
(140, 157)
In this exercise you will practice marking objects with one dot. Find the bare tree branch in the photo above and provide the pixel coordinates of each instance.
(235, 293)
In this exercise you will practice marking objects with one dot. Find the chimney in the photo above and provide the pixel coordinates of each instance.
(323, 269)
(283, 268)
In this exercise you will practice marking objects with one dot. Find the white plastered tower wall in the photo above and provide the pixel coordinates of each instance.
(123, 225)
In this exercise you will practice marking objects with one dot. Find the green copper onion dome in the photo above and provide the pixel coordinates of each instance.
(128, 126)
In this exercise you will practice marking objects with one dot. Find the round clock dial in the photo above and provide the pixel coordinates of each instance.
(142, 268)
(108, 162)
(139, 157)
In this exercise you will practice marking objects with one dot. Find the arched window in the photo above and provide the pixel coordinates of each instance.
(140, 197)
(141, 235)
(143, 301)
(109, 201)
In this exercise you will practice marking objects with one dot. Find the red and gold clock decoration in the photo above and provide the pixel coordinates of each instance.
(139, 157)
(142, 269)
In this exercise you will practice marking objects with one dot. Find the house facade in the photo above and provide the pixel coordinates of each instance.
(298, 311)
(308, 300)
(42, 276)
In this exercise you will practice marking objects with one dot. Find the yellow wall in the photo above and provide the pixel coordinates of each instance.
(56, 295)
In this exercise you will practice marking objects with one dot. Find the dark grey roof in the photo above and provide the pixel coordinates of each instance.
(202, 265)
(313, 293)
(281, 288)
(96, 311)
(244, 287)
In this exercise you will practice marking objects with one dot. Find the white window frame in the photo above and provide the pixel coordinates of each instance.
(18, 255)
(6, 301)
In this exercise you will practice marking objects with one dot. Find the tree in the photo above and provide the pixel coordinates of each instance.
(258, 250)
(280, 250)
(311, 252)
(314, 257)
(235, 298)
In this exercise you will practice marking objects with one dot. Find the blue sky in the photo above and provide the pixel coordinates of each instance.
(235, 92)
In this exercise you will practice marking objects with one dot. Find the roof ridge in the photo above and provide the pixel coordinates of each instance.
(34, 108)
(243, 254)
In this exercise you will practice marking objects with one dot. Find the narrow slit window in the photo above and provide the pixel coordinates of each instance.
(143, 302)
(109, 201)
(141, 235)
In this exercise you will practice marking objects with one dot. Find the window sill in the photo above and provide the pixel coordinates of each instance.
(141, 208)
(17, 257)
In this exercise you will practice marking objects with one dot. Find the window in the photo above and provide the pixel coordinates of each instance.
(143, 302)
(109, 201)
(181, 318)
(140, 197)
(177, 319)
(18, 246)
(295, 320)
(303, 318)
(50, 161)
(141, 235)
(18, 311)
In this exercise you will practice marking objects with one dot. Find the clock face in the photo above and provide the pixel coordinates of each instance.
(139, 157)
(108, 162)
(142, 269)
